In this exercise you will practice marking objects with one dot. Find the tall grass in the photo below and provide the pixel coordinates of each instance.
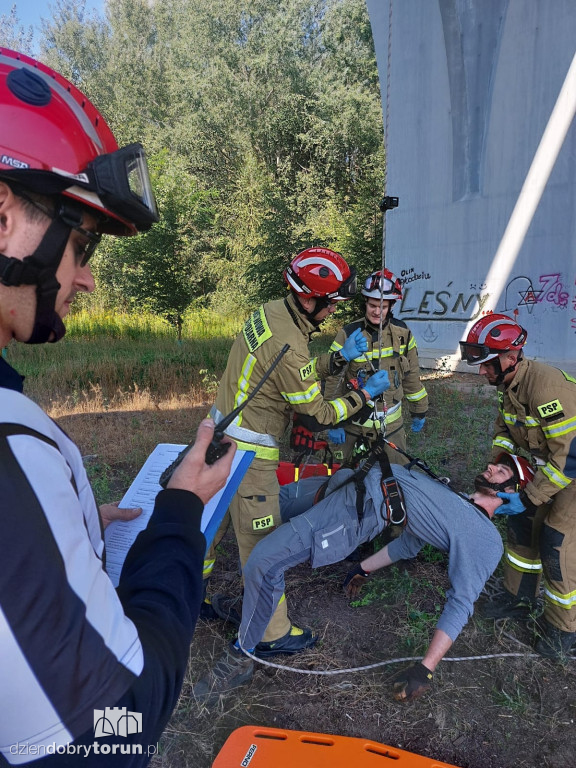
(115, 356)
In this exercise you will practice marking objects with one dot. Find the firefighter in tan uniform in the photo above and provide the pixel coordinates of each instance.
(318, 279)
(536, 412)
(396, 353)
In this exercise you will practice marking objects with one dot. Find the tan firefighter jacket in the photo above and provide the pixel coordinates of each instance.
(537, 412)
(293, 385)
(399, 356)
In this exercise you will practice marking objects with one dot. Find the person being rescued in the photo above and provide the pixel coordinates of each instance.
(324, 521)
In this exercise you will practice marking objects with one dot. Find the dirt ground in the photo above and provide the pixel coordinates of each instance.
(513, 711)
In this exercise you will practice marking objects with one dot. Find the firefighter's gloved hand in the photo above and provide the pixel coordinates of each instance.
(354, 581)
(412, 682)
(377, 383)
(337, 436)
(354, 345)
(512, 504)
(418, 423)
(301, 439)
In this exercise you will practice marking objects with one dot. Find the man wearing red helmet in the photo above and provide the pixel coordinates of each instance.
(537, 413)
(395, 352)
(318, 279)
(70, 644)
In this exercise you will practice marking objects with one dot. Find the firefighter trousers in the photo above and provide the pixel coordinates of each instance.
(544, 544)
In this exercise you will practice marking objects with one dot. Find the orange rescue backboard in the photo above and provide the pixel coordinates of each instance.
(255, 747)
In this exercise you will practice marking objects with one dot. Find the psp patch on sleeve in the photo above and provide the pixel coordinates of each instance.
(307, 371)
(551, 410)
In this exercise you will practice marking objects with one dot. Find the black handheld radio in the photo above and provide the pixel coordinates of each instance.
(217, 448)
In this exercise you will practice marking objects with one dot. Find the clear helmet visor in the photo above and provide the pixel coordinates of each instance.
(122, 182)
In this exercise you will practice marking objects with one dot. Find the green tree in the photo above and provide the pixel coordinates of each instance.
(163, 270)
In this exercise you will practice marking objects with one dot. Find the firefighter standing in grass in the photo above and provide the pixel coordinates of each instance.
(537, 413)
(395, 353)
(318, 279)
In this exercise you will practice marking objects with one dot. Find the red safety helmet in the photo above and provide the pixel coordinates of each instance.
(382, 284)
(54, 141)
(491, 336)
(321, 273)
(523, 470)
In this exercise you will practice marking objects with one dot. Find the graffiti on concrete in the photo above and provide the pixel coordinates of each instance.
(521, 292)
(447, 304)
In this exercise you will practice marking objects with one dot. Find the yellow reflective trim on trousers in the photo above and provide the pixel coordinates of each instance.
(566, 601)
(555, 476)
(208, 567)
(522, 564)
(559, 429)
(261, 451)
(306, 396)
(420, 395)
(244, 383)
(502, 442)
(282, 599)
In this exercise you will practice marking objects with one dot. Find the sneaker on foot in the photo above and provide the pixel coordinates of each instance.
(227, 608)
(232, 670)
(294, 641)
(507, 606)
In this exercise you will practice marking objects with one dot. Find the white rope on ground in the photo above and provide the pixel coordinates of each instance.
(392, 661)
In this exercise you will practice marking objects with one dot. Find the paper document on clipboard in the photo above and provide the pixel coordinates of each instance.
(119, 535)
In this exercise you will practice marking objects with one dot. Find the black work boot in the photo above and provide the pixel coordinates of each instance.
(228, 608)
(507, 606)
(553, 643)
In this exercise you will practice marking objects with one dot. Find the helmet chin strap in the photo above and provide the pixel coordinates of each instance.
(502, 375)
(321, 303)
(39, 269)
(481, 484)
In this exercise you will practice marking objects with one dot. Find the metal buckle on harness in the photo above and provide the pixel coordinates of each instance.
(394, 502)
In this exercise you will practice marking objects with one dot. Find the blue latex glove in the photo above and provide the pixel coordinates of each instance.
(512, 504)
(354, 345)
(337, 436)
(377, 383)
(418, 423)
